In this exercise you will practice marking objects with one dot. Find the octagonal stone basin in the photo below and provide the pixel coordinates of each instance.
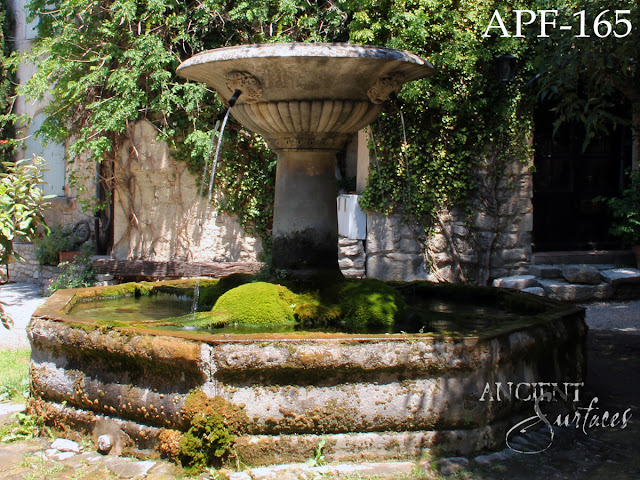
(381, 396)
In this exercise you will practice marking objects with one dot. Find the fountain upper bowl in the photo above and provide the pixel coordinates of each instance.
(305, 71)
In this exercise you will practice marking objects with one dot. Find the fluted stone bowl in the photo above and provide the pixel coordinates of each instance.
(306, 96)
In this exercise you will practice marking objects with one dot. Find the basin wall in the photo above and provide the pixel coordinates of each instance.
(369, 396)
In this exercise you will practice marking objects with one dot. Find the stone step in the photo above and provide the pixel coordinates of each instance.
(576, 283)
(615, 257)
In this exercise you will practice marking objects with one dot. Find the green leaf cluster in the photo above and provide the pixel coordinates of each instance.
(7, 145)
(626, 211)
(593, 79)
(21, 205)
(453, 119)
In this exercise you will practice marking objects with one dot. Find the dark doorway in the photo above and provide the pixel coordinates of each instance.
(567, 180)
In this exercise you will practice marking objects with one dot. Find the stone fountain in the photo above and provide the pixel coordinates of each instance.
(361, 396)
(306, 100)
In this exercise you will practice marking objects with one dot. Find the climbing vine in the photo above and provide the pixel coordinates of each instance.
(6, 86)
(110, 63)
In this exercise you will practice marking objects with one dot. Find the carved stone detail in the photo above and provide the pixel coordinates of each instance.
(385, 86)
(306, 125)
(249, 85)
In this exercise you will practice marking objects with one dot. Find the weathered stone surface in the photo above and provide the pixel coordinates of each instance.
(570, 292)
(582, 274)
(125, 468)
(381, 233)
(545, 271)
(397, 266)
(490, 458)
(621, 276)
(534, 291)
(518, 282)
(238, 476)
(452, 465)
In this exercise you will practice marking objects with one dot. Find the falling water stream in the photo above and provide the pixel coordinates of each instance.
(404, 155)
(202, 216)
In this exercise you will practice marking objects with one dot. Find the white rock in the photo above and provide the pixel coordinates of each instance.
(65, 445)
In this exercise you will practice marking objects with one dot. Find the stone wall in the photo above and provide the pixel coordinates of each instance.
(159, 213)
(29, 270)
(492, 241)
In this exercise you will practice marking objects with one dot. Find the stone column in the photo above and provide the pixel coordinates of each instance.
(305, 225)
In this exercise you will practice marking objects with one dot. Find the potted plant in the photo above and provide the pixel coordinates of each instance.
(62, 244)
(626, 212)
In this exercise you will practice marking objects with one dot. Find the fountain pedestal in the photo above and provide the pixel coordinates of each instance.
(306, 100)
(305, 232)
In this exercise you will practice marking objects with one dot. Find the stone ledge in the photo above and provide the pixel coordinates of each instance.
(621, 276)
(572, 292)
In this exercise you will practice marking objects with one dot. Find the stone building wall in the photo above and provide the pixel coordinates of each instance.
(29, 269)
(159, 213)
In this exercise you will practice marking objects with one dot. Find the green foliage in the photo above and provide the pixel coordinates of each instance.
(587, 79)
(21, 205)
(25, 427)
(256, 303)
(14, 375)
(48, 246)
(76, 274)
(318, 457)
(7, 146)
(626, 211)
(213, 424)
(452, 118)
(108, 64)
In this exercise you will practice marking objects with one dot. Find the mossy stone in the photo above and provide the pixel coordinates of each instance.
(258, 303)
(210, 294)
(368, 302)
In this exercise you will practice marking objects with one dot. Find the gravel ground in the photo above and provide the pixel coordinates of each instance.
(620, 316)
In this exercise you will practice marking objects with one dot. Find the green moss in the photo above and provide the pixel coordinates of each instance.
(368, 302)
(257, 303)
(198, 320)
(213, 423)
(210, 293)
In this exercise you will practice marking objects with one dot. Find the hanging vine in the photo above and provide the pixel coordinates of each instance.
(110, 63)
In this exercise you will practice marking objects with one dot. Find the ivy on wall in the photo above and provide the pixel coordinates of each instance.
(6, 86)
(110, 63)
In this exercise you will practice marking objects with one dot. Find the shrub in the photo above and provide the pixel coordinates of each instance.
(76, 274)
(626, 212)
(59, 239)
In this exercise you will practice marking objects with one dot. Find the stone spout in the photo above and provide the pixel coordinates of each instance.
(306, 100)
